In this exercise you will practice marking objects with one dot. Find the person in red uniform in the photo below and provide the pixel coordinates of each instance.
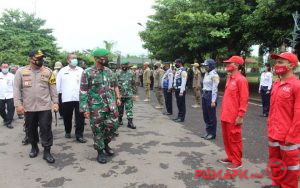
(284, 122)
(234, 106)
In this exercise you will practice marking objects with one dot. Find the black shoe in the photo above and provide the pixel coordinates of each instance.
(167, 113)
(108, 150)
(101, 158)
(68, 135)
(265, 115)
(130, 124)
(25, 140)
(34, 151)
(120, 121)
(210, 137)
(175, 119)
(204, 136)
(47, 155)
(81, 140)
(179, 120)
(9, 126)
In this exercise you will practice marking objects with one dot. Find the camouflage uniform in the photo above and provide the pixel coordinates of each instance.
(127, 86)
(97, 96)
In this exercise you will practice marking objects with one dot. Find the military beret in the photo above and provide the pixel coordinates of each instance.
(124, 62)
(100, 52)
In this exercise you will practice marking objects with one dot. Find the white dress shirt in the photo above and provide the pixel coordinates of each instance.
(266, 79)
(6, 85)
(68, 83)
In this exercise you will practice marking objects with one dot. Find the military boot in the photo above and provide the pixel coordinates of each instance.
(120, 120)
(101, 158)
(130, 124)
(34, 151)
(108, 150)
(47, 155)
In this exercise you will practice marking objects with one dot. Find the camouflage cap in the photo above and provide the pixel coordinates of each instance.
(100, 52)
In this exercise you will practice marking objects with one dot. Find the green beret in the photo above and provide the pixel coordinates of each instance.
(100, 52)
(124, 62)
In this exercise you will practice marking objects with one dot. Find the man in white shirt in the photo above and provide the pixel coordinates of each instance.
(68, 84)
(7, 108)
(265, 86)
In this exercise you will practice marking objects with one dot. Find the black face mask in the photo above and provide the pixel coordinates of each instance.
(104, 62)
(39, 62)
(177, 66)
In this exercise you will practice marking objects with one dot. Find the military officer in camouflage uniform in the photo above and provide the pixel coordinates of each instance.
(126, 82)
(99, 97)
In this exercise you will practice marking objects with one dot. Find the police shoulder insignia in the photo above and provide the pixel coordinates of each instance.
(215, 78)
(52, 79)
(184, 74)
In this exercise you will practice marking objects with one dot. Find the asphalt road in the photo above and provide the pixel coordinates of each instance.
(159, 153)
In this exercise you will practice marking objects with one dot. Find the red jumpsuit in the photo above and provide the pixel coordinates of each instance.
(284, 126)
(234, 104)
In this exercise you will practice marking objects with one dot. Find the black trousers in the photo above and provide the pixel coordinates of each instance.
(60, 111)
(209, 113)
(180, 104)
(168, 101)
(265, 101)
(68, 109)
(42, 119)
(7, 110)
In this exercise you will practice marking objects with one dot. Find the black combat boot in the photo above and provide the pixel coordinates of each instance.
(108, 150)
(34, 151)
(120, 120)
(47, 155)
(101, 158)
(130, 124)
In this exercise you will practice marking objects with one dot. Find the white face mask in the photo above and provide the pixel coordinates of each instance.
(5, 70)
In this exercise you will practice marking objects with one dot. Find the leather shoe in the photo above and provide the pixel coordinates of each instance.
(108, 150)
(9, 126)
(67, 135)
(167, 113)
(204, 136)
(101, 158)
(81, 140)
(34, 151)
(179, 120)
(210, 137)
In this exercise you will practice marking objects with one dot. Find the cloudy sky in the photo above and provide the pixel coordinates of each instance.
(84, 24)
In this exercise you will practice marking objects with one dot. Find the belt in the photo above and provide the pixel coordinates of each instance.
(206, 91)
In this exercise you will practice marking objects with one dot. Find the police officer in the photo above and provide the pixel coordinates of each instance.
(158, 74)
(167, 85)
(179, 84)
(99, 97)
(209, 98)
(126, 82)
(35, 94)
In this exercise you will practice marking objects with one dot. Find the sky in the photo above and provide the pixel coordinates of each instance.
(85, 24)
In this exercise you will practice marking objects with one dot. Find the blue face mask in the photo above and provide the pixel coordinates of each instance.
(74, 62)
(5, 70)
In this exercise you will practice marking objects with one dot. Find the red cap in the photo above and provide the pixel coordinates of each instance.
(288, 56)
(235, 59)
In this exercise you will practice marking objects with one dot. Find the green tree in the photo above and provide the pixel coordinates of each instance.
(20, 33)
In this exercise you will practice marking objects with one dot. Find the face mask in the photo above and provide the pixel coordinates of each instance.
(74, 62)
(39, 62)
(230, 68)
(280, 70)
(105, 62)
(5, 70)
(124, 68)
(177, 66)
